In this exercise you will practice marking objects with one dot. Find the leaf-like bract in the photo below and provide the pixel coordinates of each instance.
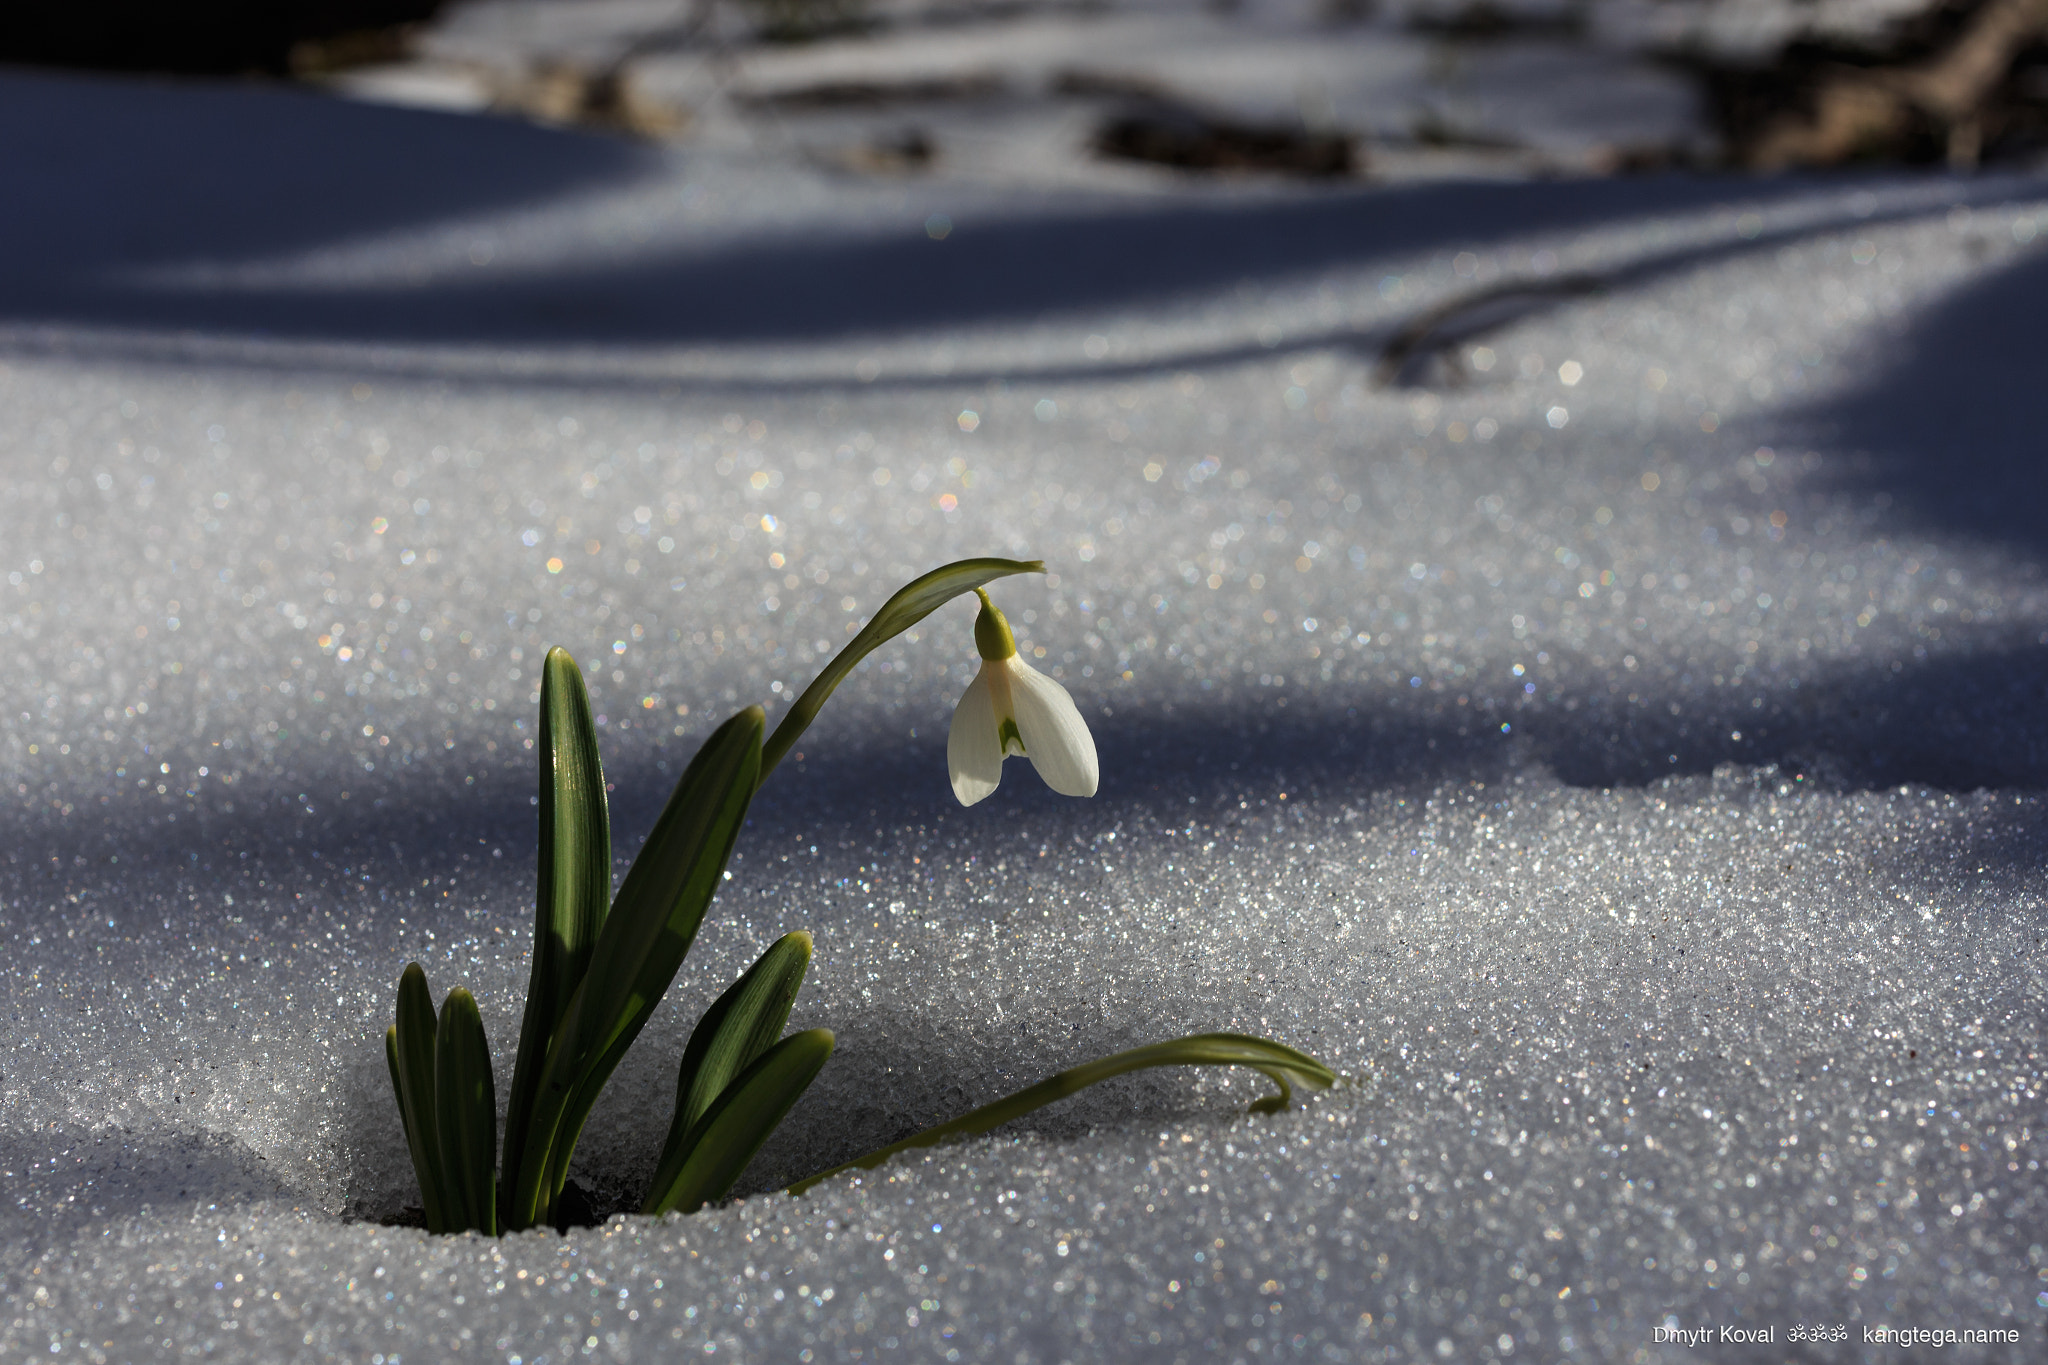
(741, 1024)
(574, 882)
(911, 604)
(1280, 1063)
(409, 1048)
(467, 1115)
(638, 952)
(725, 1139)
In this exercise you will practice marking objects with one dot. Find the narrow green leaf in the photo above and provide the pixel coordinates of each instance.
(466, 1109)
(397, 1086)
(574, 883)
(741, 1024)
(911, 604)
(410, 1050)
(1280, 1063)
(725, 1139)
(638, 952)
(430, 1204)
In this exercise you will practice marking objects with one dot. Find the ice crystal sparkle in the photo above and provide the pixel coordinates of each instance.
(199, 966)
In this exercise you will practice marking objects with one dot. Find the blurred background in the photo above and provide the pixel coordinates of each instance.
(1113, 92)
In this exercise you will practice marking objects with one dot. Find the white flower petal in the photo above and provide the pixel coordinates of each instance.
(1056, 739)
(974, 753)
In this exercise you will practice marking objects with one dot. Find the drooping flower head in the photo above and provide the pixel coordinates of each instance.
(1012, 708)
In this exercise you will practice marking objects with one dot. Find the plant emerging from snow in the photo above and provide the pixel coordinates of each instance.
(601, 962)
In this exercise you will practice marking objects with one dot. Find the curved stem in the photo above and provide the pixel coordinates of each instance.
(911, 604)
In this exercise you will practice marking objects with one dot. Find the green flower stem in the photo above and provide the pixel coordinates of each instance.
(910, 605)
(1278, 1062)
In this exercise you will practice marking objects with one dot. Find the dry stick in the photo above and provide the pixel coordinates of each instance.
(608, 82)
(1479, 311)
(602, 96)
(1860, 109)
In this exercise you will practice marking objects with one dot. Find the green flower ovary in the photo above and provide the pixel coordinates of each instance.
(992, 638)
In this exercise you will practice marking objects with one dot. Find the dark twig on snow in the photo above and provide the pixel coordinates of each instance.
(1436, 333)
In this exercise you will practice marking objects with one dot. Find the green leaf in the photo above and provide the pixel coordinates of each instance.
(638, 952)
(409, 1048)
(741, 1024)
(466, 1110)
(911, 604)
(575, 880)
(725, 1139)
(430, 1203)
(1281, 1063)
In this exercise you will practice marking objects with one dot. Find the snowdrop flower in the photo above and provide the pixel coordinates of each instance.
(1012, 708)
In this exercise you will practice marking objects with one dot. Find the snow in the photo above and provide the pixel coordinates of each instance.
(1617, 753)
